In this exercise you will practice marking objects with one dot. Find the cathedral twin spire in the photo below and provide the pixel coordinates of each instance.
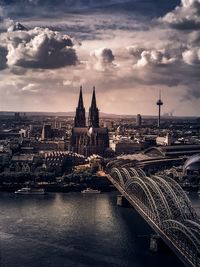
(80, 112)
(80, 101)
(93, 118)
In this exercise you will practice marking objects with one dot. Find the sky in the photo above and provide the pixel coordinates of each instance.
(127, 49)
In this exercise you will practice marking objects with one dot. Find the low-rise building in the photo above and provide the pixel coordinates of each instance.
(128, 147)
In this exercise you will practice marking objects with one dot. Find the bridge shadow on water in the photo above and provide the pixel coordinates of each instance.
(140, 232)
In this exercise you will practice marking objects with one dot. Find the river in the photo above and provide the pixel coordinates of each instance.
(74, 230)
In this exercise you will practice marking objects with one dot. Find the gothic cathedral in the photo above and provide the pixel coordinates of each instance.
(88, 139)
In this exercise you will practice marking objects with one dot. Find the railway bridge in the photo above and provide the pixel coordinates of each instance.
(164, 206)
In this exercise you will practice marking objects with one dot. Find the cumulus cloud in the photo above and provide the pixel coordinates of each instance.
(192, 56)
(135, 51)
(150, 57)
(184, 17)
(102, 59)
(194, 38)
(37, 48)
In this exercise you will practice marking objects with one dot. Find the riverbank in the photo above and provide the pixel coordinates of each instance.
(61, 187)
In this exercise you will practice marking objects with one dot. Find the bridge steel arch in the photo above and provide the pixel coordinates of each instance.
(164, 203)
(172, 197)
(141, 172)
(184, 237)
(156, 193)
(134, 172)
(165, 206)
(183, 198)
(118, 173)
(194, 226)
(144, 198)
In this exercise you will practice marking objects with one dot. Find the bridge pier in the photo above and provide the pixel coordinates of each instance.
(123, 202)
(157, 244)
(154, 243)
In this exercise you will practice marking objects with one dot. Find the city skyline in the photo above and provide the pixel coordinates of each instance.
(45, 60)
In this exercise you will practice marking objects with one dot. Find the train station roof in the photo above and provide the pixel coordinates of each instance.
(172, 151)
(193, 163)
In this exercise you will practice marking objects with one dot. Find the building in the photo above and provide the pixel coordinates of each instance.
(24, 133)
(128, 147)
(61, 161)
(37, 146)
(164, 140)
(23, 163)
(90, 139)
(57, 124)
(46, 132)
(108, 124)
(80, 121)
(138, 120)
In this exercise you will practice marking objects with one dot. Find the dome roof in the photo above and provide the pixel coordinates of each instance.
(192, 163)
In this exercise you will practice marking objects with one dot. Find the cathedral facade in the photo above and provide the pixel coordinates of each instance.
(90, 138)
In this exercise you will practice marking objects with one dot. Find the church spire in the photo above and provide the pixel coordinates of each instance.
(79, 120)
(94, 104)
(93, 119)
(80, 101)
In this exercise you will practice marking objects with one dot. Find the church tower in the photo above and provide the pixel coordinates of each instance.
(90, 139)
(80, 112)
(93, 119)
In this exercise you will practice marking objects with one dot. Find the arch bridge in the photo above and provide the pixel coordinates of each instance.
(166, 208)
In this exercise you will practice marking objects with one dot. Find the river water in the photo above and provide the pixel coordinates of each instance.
(74, 230)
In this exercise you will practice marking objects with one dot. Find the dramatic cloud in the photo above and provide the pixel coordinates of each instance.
(186, 16)
(37, 48)
(126, 51)
(143, 57)
(135, 51)
(192, 56)
(102, 59)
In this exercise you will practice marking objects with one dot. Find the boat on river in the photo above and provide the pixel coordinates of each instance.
(30, 191)
(90, 191)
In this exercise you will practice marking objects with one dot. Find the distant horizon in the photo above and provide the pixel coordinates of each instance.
(104, 114)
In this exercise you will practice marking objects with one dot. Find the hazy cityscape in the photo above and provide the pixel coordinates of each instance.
(99, 133)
